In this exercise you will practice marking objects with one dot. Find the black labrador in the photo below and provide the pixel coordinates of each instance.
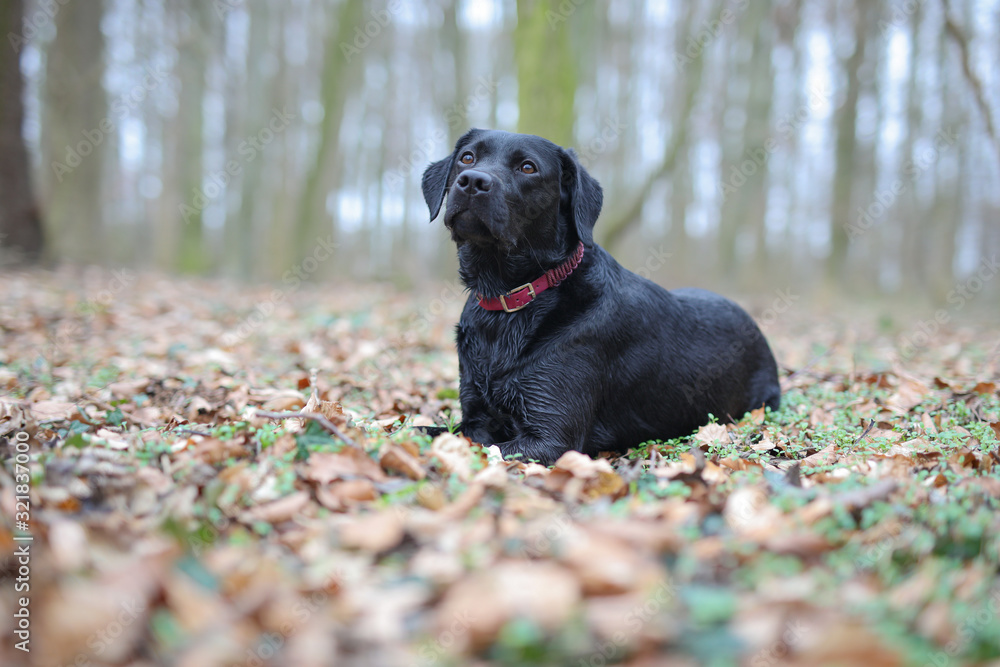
(560, 347)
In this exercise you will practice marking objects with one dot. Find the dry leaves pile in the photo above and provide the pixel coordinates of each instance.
(173, 524)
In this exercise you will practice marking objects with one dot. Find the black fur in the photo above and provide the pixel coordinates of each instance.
(604, 361)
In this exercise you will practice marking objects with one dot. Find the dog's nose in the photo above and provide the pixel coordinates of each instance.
(473, 182)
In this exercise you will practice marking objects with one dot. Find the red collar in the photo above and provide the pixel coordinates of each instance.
(519, 297)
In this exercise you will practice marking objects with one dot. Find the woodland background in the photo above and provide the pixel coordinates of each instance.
(830, 145)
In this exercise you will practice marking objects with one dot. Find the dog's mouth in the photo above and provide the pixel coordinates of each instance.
(467, 226)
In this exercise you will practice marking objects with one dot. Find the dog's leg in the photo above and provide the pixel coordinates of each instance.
(530, 449)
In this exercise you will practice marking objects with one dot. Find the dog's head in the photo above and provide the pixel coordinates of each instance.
(513, 190)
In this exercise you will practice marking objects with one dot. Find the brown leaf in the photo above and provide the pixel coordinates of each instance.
(45, 411)
(749, 511)
(285, 402)
(537, 591)
(604, 566)
(712, 433)
(126, 389)
(826, 456)
(325, 467)
(396, 459)
(375, 533)
(985, 388)
(909, 395)
(341, 495)
(81, 608)
(576, 474)
(214, 451)
(283, 509)
(847, 643)
(454, 455)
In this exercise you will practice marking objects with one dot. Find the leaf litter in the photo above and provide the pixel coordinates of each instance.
(185, 512)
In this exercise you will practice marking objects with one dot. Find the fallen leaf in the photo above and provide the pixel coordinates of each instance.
(283, 509)
(374, 533)
(712, 433)
(325, 467)
(539, 592)
(454, 454)
(396, 459)
(341, 495)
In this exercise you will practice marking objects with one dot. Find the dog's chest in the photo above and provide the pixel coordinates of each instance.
(495, 358)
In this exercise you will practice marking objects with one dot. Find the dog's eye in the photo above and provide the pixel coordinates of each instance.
(467, 157)
(528, 168)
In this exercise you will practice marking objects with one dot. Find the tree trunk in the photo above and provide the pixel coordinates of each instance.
(241, 228)
(546, 71)
(312, 221)
(743, 209)
(846, 170)
(20, 226)
(192, 60)
(77, 128)
(620, 221)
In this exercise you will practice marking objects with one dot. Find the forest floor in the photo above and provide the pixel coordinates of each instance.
(168, 523)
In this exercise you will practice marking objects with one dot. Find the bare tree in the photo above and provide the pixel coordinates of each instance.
(77, 127)
(20, 226)
(546, 74)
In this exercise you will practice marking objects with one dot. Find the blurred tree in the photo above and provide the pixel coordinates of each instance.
(339, 61)
(546, 70)
(20, 227)
(76, 133)
(245, 119)
(192, 18)
(628, 214)
(844, 182)
(744, 206)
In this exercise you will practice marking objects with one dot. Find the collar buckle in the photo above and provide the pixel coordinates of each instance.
(503, 298)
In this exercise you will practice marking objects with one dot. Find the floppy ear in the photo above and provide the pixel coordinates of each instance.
(435, 180)
(582, 195)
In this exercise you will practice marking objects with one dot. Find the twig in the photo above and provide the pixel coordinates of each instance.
(868, 429)
(327, 425)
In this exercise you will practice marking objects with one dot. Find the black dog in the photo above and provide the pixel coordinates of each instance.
(559, 346)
